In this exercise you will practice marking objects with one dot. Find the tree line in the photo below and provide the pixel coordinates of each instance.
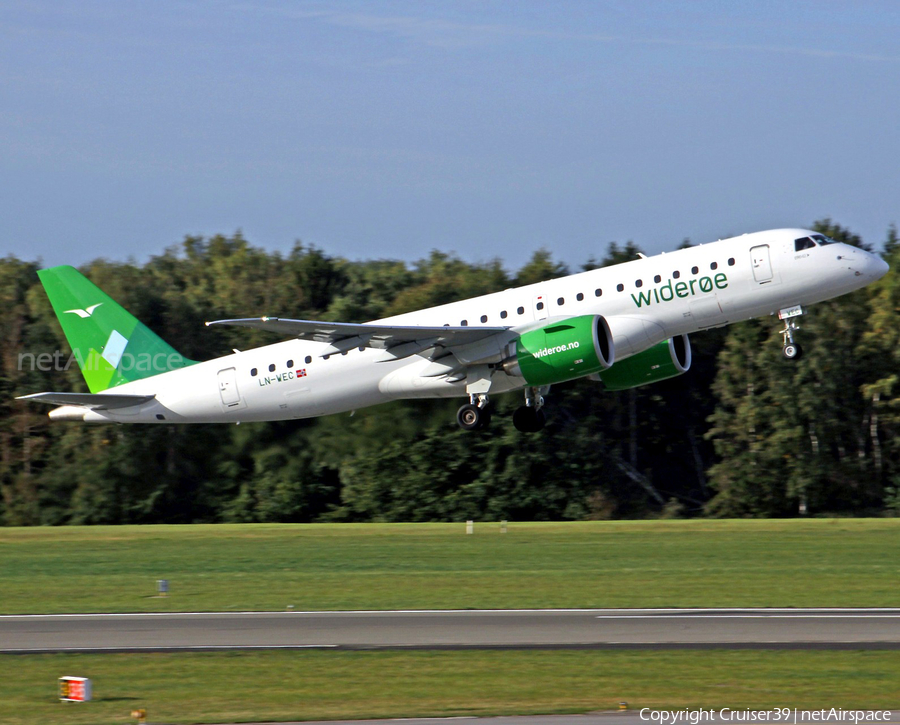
(743, 433)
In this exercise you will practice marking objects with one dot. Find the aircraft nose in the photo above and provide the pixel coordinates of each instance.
(877, 267)
(863, 264)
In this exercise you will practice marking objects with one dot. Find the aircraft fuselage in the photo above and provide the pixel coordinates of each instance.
(644, 301)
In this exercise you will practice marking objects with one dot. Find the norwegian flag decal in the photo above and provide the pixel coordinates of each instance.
(301, 373)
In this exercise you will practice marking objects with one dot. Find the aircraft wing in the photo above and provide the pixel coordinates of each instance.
(99, 401)
(398, 340)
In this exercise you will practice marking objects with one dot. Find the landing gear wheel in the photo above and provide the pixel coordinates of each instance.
(792, 351)
(470, 417)
(522, 418)
(529, 420)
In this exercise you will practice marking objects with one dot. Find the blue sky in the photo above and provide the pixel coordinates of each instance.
(387, 129)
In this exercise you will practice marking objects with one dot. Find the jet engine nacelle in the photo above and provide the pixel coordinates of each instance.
(664, 360)
(562, 350)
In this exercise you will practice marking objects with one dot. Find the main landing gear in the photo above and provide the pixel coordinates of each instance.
(791, 349)
(530, 417)
(475, 414)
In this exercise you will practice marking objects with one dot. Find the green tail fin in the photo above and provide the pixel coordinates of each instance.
(110, 345)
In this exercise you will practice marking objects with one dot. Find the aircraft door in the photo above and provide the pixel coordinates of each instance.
(228, 389)
(761, 263)
(539, 307)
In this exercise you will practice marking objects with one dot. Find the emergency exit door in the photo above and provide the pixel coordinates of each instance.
(228, 389)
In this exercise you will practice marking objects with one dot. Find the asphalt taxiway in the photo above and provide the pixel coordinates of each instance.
(465, 629)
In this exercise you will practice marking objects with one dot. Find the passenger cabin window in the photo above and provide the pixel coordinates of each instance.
(561, 301)
(272, 368)
(657, 279)
(598, 292)
(308, 359)
(540, 305)
(579, 297)
(503, 314)
(803, 243)
(520, 311)
(676, 274)
(714, 265)
(290, 363)
(463, 323)
(253, 372)
(695, 270)
(731, 262)
(620, 287)
(484, 318)
(639, 283)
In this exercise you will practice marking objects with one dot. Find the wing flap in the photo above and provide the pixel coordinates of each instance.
(345, 335)
(94, 401)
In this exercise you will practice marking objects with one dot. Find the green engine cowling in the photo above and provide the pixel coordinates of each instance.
(664, 360)
(562, 351)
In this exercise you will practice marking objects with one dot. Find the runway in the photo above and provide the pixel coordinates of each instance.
(466, 629)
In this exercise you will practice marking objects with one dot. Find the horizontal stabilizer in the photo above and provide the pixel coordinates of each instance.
(94, 401)
(366, 335)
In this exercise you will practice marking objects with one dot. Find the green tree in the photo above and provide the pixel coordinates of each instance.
(540, 268)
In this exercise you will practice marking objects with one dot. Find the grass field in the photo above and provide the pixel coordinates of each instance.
(841, 562)
(785, 563)
(258, 686)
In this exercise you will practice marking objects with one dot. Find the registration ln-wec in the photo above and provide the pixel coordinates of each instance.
(622, 326)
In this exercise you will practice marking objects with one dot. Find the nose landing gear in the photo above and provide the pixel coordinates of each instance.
(791, 349)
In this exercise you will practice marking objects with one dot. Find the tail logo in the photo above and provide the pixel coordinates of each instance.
(84, 313)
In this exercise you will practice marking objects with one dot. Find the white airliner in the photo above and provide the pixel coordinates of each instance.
(622, 326)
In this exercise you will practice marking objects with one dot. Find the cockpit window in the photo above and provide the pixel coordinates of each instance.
(822, 239)
(803, 243)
